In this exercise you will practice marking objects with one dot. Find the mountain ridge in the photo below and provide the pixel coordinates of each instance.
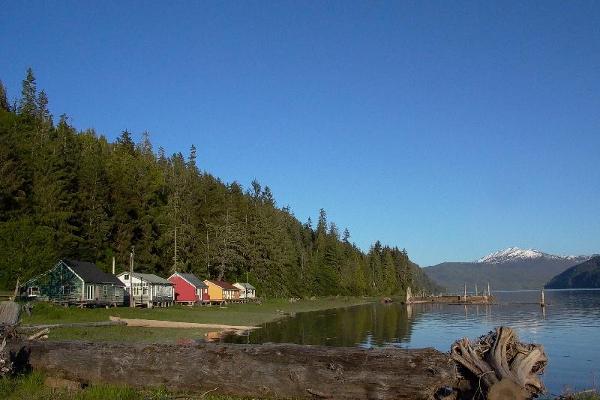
(515, 253)
(509, 269)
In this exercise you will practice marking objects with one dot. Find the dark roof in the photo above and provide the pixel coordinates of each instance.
(90, 273)
(193, 279)
(224, 285)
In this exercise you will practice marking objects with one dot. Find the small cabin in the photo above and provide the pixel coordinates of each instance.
(75, 282)
(247, 291)
(148, 289)
(221, 290)
(188, 288)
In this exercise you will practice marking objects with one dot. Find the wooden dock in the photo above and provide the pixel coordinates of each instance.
(452, 299)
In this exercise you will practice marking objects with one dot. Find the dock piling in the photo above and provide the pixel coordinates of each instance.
(542, 299)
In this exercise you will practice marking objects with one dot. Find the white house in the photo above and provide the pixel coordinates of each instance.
(247, 291)
(148, 289)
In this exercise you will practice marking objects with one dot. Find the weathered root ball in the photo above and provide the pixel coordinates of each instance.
(500, 367)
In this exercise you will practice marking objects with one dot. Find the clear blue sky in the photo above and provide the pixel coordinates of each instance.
(452, 129)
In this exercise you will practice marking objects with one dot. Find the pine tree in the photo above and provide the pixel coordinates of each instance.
(4, 105)
(126, 142)
(42, 111)
(28, 102)
(346, 236)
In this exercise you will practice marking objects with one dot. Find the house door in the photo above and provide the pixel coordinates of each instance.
(89, 292)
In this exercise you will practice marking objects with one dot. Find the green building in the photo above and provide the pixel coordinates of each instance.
(75, 282)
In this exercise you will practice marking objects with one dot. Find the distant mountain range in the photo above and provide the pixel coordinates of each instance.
(509, 269)
(584, 275)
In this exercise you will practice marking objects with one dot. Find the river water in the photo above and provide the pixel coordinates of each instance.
(569, 329)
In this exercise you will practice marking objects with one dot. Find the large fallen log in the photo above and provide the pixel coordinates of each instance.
(153, 323)
(268, 370)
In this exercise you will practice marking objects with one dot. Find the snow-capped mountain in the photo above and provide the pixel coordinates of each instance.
(508, 269)
(516, 254)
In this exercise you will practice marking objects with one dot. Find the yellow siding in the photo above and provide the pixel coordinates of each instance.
(215, 292)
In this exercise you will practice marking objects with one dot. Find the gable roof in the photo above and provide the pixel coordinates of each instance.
(151, 278)
(90, 273)
(192, 279)
(245, 285)
(223, 284)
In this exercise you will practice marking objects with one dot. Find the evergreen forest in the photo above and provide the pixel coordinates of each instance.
(74, 194)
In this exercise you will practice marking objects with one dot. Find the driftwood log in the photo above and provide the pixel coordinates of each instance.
(72, 325)
(268, 370)
(500, 367)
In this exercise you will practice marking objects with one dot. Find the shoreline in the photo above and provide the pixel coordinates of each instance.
(199, 321)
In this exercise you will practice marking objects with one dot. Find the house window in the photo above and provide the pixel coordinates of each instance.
(33, 291)
(126, 277)
(105, 290)
(89, 292)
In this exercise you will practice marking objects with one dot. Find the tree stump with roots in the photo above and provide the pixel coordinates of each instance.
(500, 367)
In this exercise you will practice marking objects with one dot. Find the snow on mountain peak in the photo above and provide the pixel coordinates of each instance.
(515, 253)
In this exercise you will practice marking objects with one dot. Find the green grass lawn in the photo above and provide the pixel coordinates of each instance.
(127, 334)
(31, 387)
(234, 314)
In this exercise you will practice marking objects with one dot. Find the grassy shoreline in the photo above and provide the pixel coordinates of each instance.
(234, 314)
(32, 387)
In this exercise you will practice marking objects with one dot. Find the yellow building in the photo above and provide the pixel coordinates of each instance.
(221, 290)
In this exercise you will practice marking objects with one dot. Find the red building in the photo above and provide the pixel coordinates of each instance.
(188, 288)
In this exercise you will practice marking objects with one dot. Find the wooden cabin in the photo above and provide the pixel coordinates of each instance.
(148, 289)
(247, 291)
(188, 288)
(75, 282)
(221, 290)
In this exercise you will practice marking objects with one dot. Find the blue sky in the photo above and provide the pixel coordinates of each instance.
(452, 129)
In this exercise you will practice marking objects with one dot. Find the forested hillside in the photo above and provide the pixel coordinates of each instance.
(65, 193)
(581, 276)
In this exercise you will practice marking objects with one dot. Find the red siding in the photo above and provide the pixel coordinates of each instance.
(184, 291)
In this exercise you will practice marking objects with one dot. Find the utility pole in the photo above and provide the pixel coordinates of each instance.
(131, 301)
(207, 254)
(175, 258)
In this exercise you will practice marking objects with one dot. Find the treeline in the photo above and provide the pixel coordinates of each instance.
(70, 194)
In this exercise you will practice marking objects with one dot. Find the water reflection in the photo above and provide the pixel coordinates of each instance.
(369, 325)
(568, 327)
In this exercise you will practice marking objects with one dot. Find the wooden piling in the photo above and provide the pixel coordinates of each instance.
(542, 299)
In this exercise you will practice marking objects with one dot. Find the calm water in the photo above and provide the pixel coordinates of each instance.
(569, 329)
